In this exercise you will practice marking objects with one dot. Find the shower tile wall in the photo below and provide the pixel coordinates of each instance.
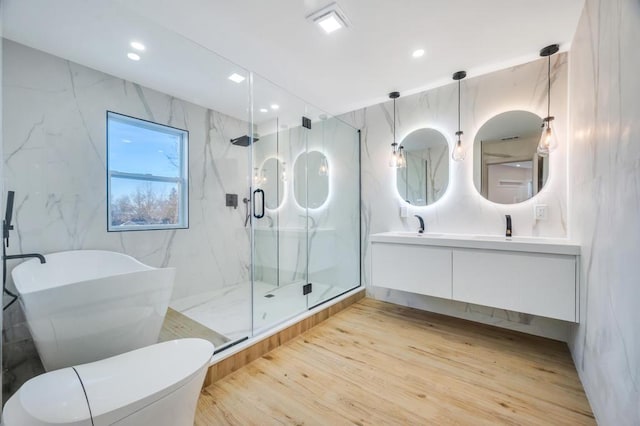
(462, 209)
(605, 205)
(54, 151)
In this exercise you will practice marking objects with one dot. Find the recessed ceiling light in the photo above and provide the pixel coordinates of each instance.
(264, 110)
(236, 78)
(133, 56)
(418, 53)
(330, 18)
(330, 23)
(137, 45)
(275, 106)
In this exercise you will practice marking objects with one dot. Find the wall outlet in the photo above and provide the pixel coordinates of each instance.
(540, 211)
(404, 211)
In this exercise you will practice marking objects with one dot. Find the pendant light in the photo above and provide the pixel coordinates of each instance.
(397, 159)
(548, 138)
(459, 152)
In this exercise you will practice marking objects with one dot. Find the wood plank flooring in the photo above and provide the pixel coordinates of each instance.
(248, 355)
(378, 363)
(178, 326)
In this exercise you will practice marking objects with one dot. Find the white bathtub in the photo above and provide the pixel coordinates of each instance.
(87, 305)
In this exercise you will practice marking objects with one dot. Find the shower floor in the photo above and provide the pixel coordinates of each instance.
(227, 311)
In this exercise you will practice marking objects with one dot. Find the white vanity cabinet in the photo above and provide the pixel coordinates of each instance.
(529, 275)
(532, 283)
(416, 269)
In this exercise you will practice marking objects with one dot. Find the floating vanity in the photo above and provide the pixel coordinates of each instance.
(536, 276)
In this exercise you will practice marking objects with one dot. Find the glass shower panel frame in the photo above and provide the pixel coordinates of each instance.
(334, 223)
(279, 232)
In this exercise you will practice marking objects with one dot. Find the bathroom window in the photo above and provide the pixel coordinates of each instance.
(147, 170)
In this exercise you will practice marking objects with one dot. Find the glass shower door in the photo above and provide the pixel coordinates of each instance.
(279, 223)
(306, 193)
(333, 209)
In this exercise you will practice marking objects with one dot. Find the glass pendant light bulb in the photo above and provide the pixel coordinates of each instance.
(402, 159)
(256, 177)
(323, 170)
(393, 160)
(459, 152)
(284, 172)
(548, 138)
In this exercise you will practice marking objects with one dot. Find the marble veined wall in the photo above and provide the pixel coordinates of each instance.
(462, 209)
(54, 159)
(604, 205)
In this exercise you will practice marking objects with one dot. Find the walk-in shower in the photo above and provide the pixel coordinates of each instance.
(301, 213)
(241, 268)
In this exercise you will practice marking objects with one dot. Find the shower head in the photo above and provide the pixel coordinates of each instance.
(244, 140)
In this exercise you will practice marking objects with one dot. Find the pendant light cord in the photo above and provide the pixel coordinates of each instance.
(394, 123)
(549, 87)
(459, 107)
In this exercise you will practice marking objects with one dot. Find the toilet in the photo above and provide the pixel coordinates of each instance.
(155, 385)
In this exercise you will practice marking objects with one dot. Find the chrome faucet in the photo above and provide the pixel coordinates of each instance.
(509, 232)
(421, 220)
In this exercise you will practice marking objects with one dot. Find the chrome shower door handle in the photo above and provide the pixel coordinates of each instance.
(255, 195)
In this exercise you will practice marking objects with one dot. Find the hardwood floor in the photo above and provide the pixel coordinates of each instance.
(378, 363)
(178, 326)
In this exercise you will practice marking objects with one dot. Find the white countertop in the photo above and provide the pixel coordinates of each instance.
(490, 242)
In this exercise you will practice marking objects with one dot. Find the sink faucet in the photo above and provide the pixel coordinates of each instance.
(509, 231)
(421, 220)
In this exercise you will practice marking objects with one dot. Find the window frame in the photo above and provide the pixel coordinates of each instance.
(182, 180)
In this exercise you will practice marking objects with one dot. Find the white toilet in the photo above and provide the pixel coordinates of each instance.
(157, 385)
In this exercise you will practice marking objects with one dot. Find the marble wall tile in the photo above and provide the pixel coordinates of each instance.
(55, 160)
(462, 209)
(56, 163)
(604, 201)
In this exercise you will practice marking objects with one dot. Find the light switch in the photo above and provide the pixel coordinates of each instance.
(404, 211)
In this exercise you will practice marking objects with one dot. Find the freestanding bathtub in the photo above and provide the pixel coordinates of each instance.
(86, 305)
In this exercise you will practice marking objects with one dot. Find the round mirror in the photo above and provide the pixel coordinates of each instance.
(269, 180)
(506, 166)
(425, 177)
(311, 189)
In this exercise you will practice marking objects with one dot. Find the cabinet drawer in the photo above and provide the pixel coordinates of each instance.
(533, 283)
(412, 268)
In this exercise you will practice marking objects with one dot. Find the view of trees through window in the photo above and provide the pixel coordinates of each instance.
(147, 172)
(145, 206)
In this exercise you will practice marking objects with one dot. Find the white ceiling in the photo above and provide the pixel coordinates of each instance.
(348, 69)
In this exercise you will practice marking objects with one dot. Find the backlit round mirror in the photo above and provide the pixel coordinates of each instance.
(311, 189)
(425, 177)
(506, 166)
(269, 179)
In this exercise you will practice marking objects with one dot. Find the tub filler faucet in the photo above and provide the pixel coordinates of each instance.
(6, 227)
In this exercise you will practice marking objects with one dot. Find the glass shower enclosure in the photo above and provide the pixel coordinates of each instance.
(305, 206)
